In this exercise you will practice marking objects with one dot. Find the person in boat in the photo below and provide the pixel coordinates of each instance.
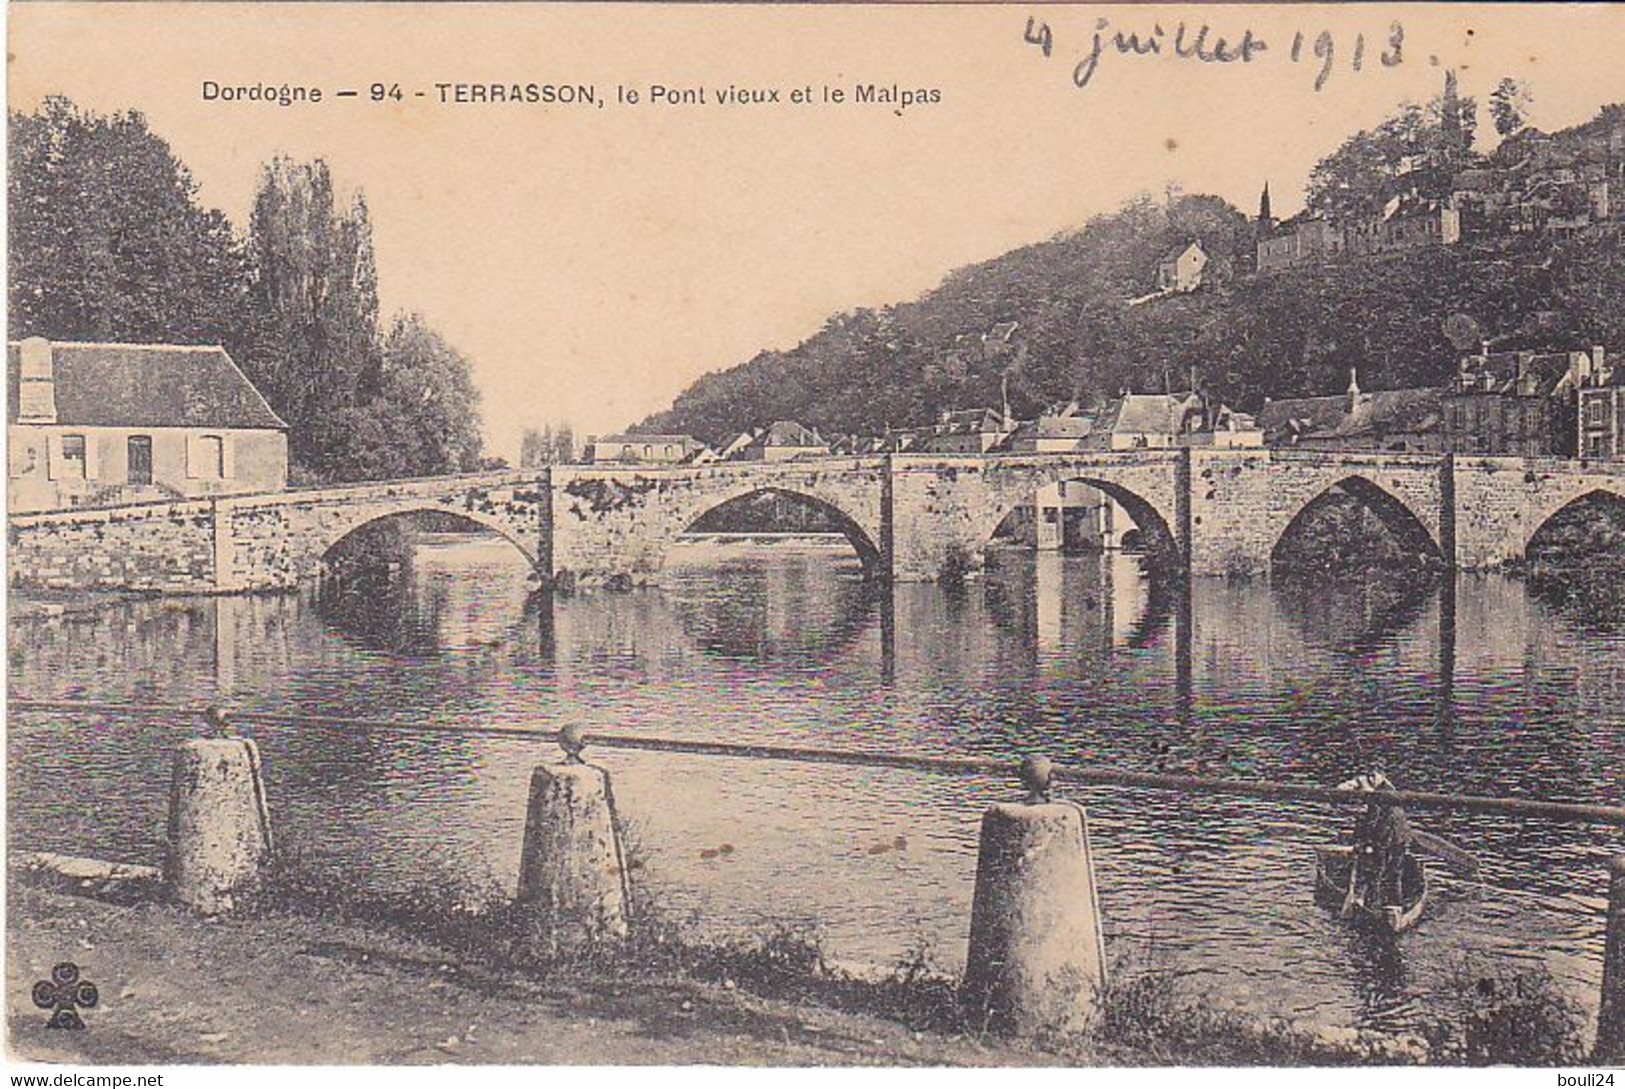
(1382, 838)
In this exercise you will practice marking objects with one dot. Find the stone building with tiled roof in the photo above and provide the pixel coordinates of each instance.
(102, 424)
(781, 440)
(1395, 419)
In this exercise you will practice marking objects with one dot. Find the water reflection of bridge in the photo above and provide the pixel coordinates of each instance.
(1051, 618)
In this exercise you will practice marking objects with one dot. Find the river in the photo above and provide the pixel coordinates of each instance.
(1471, 686)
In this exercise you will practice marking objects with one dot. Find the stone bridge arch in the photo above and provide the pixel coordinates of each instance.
(278, 541)
(620, 521)
(1408, 526)
(330, 534)
(1503, 502)
(866, 546)
(946, 509)
(1609, 491)
(1243, 502)
(1153, 522)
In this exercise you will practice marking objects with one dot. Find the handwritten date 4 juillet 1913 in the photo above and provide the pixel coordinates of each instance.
(1202, 45)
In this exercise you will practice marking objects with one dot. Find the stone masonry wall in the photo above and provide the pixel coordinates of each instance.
(910, 516)
(156, 548)
(1502, 502)
(1242, 501)
(618, 522)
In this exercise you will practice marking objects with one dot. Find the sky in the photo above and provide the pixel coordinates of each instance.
(592, 261)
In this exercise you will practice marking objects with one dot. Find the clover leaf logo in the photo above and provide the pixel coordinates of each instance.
(63, 992)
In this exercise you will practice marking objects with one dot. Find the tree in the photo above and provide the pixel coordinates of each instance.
(1424, 145)
(423, 417)
(315, 351)
(1509, 106)
(549, 446)
(107, 239)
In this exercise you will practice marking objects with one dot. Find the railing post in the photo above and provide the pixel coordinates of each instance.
(219, 826)
(572, 869)
(1037, 961)
(1611, 1018)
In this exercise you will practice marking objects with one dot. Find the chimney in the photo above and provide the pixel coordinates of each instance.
(36, 386)
(1599, 366)
(1355, 396)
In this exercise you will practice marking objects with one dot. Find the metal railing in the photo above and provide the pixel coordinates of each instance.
(1567, 812)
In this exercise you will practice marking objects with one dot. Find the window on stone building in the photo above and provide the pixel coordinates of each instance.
(73, 457)
(140, 459)
(211, 450)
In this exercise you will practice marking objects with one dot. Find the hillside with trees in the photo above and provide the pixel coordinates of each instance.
(108, 242)
(1054, 319)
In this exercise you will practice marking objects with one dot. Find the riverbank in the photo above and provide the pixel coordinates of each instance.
(296, 986)
(287, 988)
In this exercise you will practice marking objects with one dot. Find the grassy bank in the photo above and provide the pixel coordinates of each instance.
(449, 976)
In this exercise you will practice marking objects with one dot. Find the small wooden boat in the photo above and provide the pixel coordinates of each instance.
(1332, 865)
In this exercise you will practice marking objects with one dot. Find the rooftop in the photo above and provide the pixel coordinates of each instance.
(146, 385)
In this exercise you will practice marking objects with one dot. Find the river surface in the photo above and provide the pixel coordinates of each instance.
(1474, 686)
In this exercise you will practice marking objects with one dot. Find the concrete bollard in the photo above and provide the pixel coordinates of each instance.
(219, 830)
(1611, 1018)
(572, 871)
(1037, 959)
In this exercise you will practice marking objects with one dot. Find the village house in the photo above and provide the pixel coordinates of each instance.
(973, 431)
(1518, 403)
(1405, 222)
(1407, 420)
(781, 440)
(643, 449)
(1140, 421)
(1061, 430)
(1181, 268)
(1303, 239)
(103, 424)
(1601, 415)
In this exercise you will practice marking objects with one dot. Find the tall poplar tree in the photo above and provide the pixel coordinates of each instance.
(316, 351)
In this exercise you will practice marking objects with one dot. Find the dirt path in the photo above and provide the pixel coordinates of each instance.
(288, 989)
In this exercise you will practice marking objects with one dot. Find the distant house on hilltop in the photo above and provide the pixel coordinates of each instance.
(1303, 239)
(1181, 268)
(94, 424)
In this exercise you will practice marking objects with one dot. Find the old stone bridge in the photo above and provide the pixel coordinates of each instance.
(910, 517)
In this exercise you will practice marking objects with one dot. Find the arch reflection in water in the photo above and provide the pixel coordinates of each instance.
(799, 604)
(421, 585)
(1576, 562)
(1236, 683)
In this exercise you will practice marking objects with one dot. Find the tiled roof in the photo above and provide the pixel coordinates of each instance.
(147, 385)
(1413, 411)
(1151, 413)
(652, 440)
(789, 433)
